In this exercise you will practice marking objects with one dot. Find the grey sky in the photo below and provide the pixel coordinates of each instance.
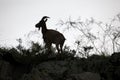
(18, 17)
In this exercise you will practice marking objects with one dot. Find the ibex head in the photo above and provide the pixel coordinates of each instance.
(42, 22)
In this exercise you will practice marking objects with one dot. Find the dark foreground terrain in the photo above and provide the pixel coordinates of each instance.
(44, 66)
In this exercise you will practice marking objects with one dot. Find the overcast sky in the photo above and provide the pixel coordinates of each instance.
(18, 17)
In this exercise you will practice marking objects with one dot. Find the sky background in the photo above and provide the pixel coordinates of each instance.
(18, 17)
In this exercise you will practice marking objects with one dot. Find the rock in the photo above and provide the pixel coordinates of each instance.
(53, 66)
(5, 70)
(84, 76)
(35, 74)
(55, 69)
(74, 67)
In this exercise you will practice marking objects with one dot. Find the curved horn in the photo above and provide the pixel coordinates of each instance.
(44, 17)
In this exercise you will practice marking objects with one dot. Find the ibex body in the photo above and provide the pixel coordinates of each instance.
(51, 36)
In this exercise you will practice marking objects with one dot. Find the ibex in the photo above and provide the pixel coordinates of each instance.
(50, 36)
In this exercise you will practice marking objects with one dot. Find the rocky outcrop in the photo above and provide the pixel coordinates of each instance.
(59, 68)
